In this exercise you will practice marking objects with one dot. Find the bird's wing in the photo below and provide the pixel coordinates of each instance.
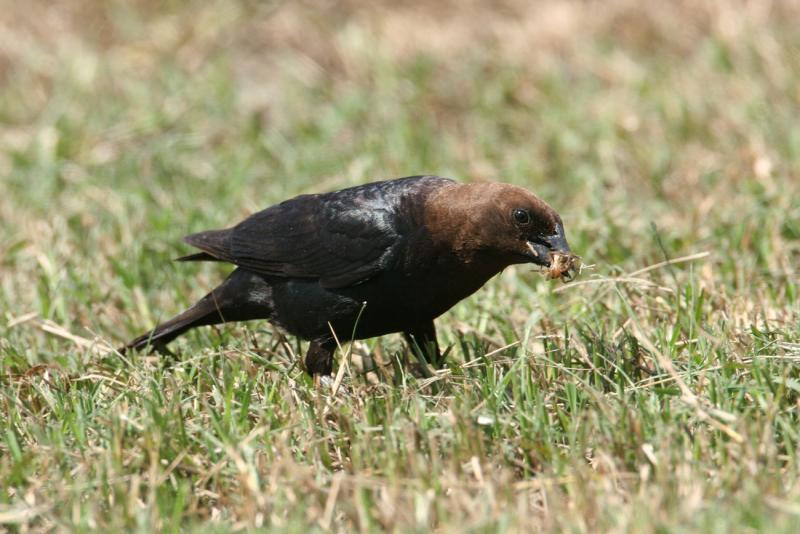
(337, 242)
(341, 238)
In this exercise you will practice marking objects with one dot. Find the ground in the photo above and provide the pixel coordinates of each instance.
(657, 392)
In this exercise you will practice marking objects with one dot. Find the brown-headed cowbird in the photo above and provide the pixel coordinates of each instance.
(368, 260)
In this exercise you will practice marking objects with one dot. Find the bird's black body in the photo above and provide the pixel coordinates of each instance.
(360, 262)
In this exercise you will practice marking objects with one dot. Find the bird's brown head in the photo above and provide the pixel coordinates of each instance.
(497, 223)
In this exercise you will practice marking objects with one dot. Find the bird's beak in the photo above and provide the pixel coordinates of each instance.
(540, 248)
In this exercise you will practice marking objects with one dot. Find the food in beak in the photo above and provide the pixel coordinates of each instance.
(563, 265)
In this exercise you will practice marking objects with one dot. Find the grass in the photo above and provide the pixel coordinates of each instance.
(657, 393)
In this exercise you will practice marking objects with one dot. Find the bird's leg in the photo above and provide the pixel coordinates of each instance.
(319, 358)
(422, 340)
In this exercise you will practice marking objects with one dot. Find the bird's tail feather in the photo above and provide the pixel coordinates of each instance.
(199, 256)
(231, 301)
(204, 313)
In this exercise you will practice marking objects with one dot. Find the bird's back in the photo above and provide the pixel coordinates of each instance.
(341, 238)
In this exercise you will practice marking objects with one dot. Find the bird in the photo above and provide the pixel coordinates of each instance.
(379, 258)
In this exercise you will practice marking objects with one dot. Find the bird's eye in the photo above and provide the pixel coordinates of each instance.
(522, 216)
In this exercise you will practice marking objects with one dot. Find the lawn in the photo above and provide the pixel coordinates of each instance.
(657, 392)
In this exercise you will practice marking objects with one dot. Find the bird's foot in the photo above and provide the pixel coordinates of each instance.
(328, 382)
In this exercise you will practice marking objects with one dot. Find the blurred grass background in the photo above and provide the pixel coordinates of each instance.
(655, 400)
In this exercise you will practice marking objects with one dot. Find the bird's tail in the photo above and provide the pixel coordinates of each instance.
(228, 302)
(201, 314)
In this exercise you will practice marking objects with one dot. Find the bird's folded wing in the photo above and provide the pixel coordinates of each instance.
(340, 244)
